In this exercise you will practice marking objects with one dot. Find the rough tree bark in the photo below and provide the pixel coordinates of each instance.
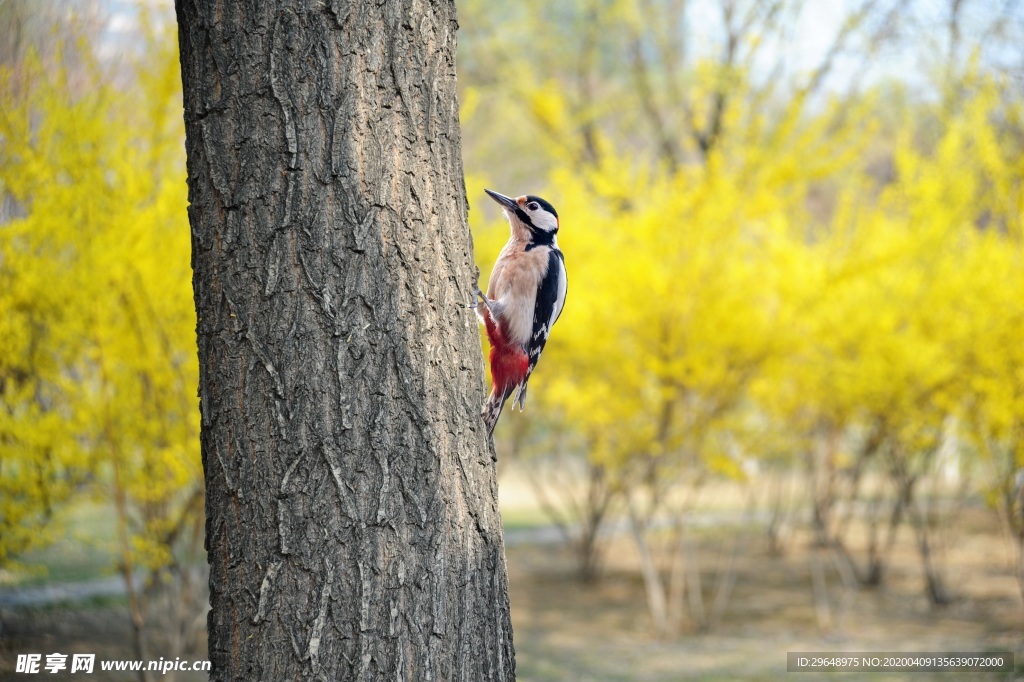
(352, 522)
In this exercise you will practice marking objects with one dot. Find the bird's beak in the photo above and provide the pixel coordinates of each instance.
(505, 202)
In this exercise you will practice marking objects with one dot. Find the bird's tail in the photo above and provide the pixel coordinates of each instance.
(492, 407)
(520, 396)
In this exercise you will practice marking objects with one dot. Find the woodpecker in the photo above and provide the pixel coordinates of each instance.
(524, 298)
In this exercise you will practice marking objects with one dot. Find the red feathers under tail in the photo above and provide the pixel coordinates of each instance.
(509, 364)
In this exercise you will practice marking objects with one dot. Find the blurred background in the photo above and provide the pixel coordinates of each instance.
(782, 411)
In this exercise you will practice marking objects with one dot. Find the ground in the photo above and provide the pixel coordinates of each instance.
(569, 631)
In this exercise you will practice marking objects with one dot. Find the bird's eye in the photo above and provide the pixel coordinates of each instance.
(533, 206)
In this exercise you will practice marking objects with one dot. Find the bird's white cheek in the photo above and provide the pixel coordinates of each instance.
(545, 221)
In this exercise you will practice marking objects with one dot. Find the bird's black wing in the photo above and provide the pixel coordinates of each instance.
(547, 309)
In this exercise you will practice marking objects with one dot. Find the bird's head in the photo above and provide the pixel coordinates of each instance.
(530, 217)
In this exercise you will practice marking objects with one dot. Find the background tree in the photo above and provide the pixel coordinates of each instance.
(98, 371)
(777, 246)
(352, 524)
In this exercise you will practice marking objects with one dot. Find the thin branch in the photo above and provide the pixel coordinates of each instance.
(666, 143)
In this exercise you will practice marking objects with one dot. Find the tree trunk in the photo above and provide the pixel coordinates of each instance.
(352, 523)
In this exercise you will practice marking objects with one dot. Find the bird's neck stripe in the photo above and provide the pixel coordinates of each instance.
(542, 238)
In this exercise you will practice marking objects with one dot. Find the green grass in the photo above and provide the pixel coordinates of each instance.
(83, 549)
(518, 518)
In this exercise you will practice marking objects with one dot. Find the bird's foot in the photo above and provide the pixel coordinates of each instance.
(476, 289)
(478, 295)
(482, 298)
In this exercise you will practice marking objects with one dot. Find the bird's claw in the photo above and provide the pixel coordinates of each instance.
(478, 295)
(482, 298)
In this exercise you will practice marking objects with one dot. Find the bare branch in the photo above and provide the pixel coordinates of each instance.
(666, 143)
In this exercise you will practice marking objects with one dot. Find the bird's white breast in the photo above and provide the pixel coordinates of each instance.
(514, 283)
